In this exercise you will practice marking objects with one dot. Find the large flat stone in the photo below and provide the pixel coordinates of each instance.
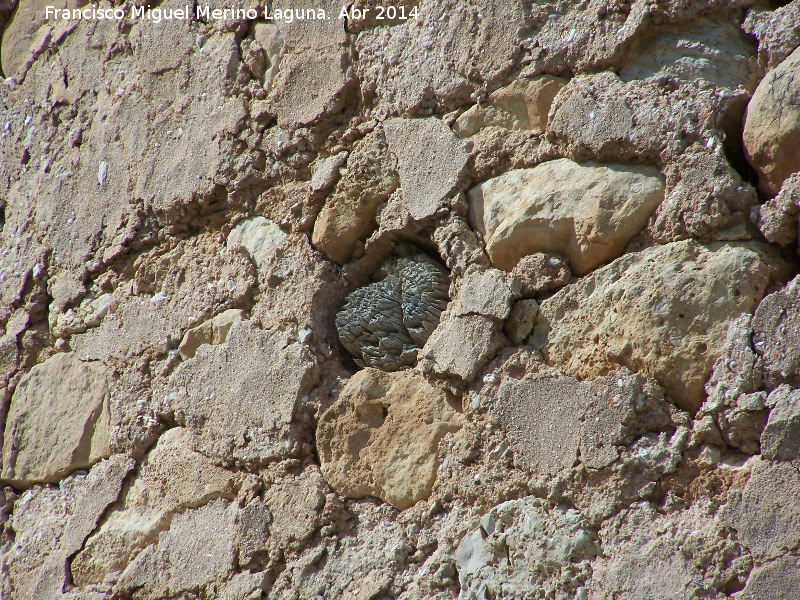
(58, 421)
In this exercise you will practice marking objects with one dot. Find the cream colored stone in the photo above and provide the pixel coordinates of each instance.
(214, 331)
(381, 437)
(522, 105)
(772, 126)
(58, 421)
(260, 236)
(521, 319)
(662, 312)
(585, 212)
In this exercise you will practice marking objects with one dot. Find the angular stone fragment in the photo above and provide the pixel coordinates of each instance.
(58, 421)
(214, 331)
(662, 312)
(554, 422)
(51, 524)
(522, 105)
(260, 236)
(552, 550)
(430, 161)
(381, 437)
(195, 551)
(171, 478)
(585, 212)
(488, 293)
(251, 384)
(461, 345)
(765, 513)
(772, 126)
(776, 335)
(777, 219)
(781, 437)
(349, 214)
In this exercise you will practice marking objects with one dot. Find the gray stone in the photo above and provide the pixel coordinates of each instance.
(781, 437)
(776, 335)
(776, 580)
(765, 513)
(521, 320)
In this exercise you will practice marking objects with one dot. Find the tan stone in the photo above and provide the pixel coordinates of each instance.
(772, 126)
(430, 162)
(214, 331)
(381, 437)
(171, 478)
(461, 345)
(521, 320)
(349, 215)
(28, 33)
(58, 421)
(487, 293)
(239, 398)
(662, 312)
(585, 212)
(260, 236)
(522, 105)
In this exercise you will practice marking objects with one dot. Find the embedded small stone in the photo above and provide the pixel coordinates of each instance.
(385, 323)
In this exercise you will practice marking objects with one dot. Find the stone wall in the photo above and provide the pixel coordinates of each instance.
(566, 238)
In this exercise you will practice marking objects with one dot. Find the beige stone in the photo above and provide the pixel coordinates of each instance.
(585, 212)
(430, 162)
(28, 33)
(772, 126)
(553, 423)
(214, 331)
(461, 345)
(58, 421)
(381, 437)
(349, 215)
(260, 236)
(487, 293)
(270, 39)
(171, 478)
(522, 105)
(239, 398)
(663, 312)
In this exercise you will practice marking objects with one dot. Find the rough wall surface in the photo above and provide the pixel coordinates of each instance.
(608, 407)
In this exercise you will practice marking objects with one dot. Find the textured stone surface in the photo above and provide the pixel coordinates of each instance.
(585, 212)
(52, 524)
(251, 383)
(58, 421)
(381, 437)
(776, 324)
(430, 162)
(521, 320)
(764, 513)
(524, 547)
(777, 218)
(385, 323)
(214, 331)
(541, 272)
(522, 105)
(487, 293)
(461, 345)
(781, 437)
(777, 32)
(663, 312)
(555, 422)
(171, 478)
(772, 126)
(349, 214)
(779, 579)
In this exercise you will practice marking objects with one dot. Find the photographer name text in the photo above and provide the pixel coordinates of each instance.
(207, 13)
